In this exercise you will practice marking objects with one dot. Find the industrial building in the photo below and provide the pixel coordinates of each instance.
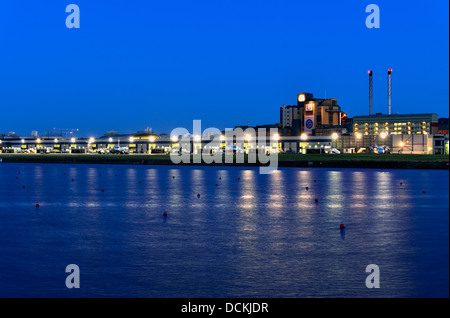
(310, 114)
(396, 124)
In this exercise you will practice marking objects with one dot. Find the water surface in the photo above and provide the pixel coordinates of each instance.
(256, 236)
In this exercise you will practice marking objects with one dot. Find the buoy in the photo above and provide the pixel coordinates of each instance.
(73, 179)
(424, 191)
(37, 205)
(17, 177)
(216, 184)
(198, 195)
(239, 178)
(307, 188)
(317, 200)
(139, 181)
(64, 173)
(342, 226)
(220, 178)
(103, 190)
(23, 187)
(173, 177)
(401, 183)
(315, 180)
(165, 213)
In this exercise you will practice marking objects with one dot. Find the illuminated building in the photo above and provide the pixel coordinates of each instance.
(408, 124)
(309, 114)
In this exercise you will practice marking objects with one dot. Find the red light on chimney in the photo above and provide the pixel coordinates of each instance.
(390, 70)
(369, 72)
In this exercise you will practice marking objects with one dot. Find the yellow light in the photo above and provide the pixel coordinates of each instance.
(174, 138)
(152, 138)
(91, 140)
(401, 144)
(248, 137)
(304, 136)
(38, 140)
(110, 139)
(301, 98)
(276, 137)
(358, 135)
(334, 136)
(131, 139)
(383, 135)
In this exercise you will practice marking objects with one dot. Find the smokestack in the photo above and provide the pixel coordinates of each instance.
(389, 90)
(370, 92)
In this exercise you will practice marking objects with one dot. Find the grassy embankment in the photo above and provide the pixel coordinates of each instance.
(284, 160)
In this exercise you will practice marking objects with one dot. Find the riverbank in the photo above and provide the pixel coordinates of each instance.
(380, 161)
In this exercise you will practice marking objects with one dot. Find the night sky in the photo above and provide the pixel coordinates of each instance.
(162, 64)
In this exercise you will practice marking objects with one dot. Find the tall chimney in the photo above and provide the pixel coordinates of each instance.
(370, 92)
(389, 90)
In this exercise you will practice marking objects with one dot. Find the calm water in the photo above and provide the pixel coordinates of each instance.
(260, 236)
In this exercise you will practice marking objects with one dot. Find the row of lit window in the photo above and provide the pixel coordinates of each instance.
(397, 124)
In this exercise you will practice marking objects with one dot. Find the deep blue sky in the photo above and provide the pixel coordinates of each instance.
(161, 64)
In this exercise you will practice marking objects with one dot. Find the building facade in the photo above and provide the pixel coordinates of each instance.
(309, 114)
(408, 124)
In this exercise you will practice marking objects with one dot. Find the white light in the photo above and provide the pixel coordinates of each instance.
(174, 138)
(197, 138)
(23, 141)
(222, 137)
(56, 140)
(304, 136)
(401, 144)
(38, 140)
(131, 139)
(72, 140)
(383, 135)
(91, 140)
(358, 135)
(110, 139)
(334, 136)
(248, 137)
(152, 139)
(276, 137)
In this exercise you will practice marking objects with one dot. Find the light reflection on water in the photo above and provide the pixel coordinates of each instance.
(259, 236)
